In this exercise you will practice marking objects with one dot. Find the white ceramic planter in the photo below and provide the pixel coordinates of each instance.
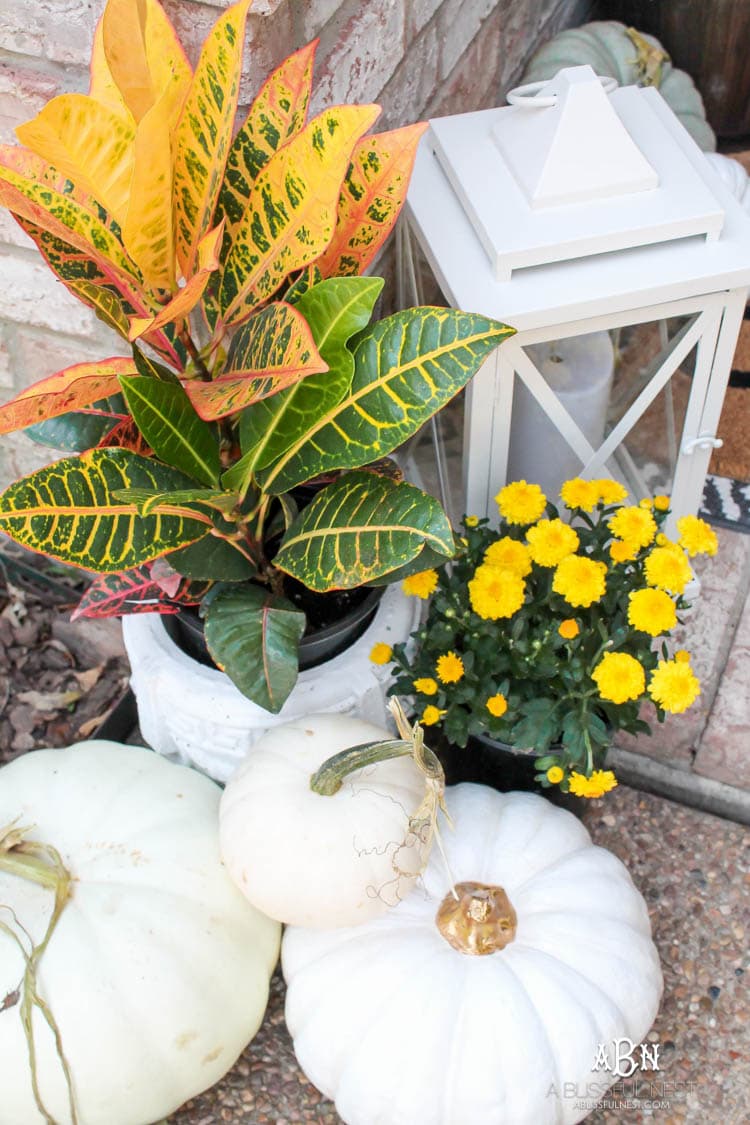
(195, 715)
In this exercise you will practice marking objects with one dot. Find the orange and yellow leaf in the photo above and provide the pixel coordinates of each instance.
(372, 196)
(278, 113)
(90, 143)
(142, 54)
(102, 86)
(186, 298)
(71, 389)
(148, 231)
(291, 214)
(270, 352)
(204, 133)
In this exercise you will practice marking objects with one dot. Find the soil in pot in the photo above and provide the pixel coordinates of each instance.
(334, 622)
(488, 762)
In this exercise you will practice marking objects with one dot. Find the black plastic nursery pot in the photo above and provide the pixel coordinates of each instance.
(335, 621)
(496, 764)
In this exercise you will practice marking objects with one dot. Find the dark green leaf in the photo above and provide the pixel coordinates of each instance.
(151, 369)
(166, 418)
(214, 559)
(80, 429)
(254, 637)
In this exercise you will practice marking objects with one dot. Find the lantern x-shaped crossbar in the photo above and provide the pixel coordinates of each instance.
(711, 327)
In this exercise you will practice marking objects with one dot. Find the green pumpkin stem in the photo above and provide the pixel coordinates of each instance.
(40, 864)
(329, 778)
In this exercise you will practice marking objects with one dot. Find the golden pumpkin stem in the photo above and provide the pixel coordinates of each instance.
(43, 865)
(649, 60)
(477, 918)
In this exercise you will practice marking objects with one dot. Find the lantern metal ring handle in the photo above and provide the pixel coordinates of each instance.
(528, 95)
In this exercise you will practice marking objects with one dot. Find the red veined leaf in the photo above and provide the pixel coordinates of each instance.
(136, 591)
(372, 196)
(272, 350)
(126, 435)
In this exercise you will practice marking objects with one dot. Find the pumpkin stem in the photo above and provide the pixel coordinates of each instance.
(480, 920)
(43, 865)
(328, 778)
(423, 823)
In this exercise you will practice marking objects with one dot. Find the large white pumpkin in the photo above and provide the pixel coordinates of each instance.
(157, 972)
(314, 860)
(398, 1026)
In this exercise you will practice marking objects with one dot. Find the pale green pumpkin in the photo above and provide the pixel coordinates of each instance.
(632, 58)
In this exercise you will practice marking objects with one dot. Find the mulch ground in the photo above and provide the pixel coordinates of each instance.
(58, 680)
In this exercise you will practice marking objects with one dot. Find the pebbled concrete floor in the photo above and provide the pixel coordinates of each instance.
(694, 872)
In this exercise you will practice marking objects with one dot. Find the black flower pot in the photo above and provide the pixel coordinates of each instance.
(488, 762)
(349, 613)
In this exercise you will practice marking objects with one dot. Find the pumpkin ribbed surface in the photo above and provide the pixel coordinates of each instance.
(606, 46)
(158, 970)
(397, 1026)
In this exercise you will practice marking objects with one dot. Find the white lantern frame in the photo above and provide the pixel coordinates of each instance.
(707, 281)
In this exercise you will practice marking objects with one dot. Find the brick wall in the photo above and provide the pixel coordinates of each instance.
(417, 58)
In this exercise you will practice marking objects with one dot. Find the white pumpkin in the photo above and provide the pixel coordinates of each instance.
(398, 1026)
(314, 860)
(157, 971)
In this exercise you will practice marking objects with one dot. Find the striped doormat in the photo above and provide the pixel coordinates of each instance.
(726, 503)
(726, 493)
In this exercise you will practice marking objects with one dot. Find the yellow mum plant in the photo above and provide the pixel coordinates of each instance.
(541, 632)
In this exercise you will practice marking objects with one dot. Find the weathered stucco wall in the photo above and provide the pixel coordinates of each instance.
(417, 58)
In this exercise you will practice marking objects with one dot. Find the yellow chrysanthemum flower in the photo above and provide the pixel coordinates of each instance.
(497, 705)
(661, 502)
(619, 677)
(622, 551)
(520, 502)
(579, 493)
(569, 628)
(431, 715)
(509, 554)
(674, 686)
(421, 584)
(600, 782)
(667, 569)
(496, 593)
(551, 541)
(471, 521)
(381, 653)
(425, 685)
(450, 668)
(646, 502)
(651, 611)
(682, 656)
(555, 775)
(696, 537)
(610, 491)
(635, 525)
(580, 580)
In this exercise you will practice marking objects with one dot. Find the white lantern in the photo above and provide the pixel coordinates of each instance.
(581, 208)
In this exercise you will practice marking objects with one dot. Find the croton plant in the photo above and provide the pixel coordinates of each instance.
(233, 264)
